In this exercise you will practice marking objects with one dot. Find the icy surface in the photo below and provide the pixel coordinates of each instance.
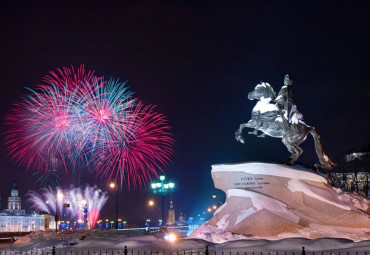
(264, 202)
(244, 214)
(342, 200)
(295, 185)
(223, 223)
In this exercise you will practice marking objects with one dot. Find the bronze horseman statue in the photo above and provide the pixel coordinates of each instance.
(277, 116)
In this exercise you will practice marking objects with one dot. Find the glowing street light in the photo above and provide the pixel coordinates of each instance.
(113, 185)
(171, 237)
(162, 188)
(150, 204)
(217, 200)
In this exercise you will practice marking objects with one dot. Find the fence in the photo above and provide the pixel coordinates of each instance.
(168, 252)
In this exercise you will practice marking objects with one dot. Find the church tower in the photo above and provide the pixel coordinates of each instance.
(14, 201)
(171, 215)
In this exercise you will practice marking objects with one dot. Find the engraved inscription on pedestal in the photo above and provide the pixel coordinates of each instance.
(251, 183)
(242, 180)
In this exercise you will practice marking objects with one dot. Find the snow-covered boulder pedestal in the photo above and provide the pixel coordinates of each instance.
(274, 201)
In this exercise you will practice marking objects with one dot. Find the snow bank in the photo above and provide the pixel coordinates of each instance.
(276, 201)
(264, 202)
(217, 242)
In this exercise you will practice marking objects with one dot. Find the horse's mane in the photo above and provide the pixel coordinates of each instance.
(269, 87)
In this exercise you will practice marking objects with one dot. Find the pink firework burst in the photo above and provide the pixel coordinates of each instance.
(44, 129)
(75, 118)
(40, 131)
(143, 146)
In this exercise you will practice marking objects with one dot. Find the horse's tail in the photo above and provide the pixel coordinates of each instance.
(325, 161)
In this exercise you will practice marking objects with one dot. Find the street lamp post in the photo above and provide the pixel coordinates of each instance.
(162, 188)
(114, 185)
(163, 220)
(59, 196)
(150, 204)
(148, 220)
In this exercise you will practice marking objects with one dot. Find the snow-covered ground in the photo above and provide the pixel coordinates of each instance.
(108, 241)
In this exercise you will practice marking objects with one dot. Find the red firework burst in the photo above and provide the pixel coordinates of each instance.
(144, 145)
(77, 118)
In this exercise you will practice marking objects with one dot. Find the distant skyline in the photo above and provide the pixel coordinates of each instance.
(197, 61)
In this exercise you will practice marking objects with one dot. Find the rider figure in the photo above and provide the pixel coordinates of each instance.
(285, 99)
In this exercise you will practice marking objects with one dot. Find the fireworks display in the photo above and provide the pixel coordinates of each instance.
(76, 120)
(49, 178)
(91, 198)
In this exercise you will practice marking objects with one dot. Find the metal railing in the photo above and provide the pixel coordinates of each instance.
(205, 251)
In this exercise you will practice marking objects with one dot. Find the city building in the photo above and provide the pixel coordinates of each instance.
(171, 220)
(353, 174)
(171, 215)
(16, 219)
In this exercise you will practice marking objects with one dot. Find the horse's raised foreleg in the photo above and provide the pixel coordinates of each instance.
(294, 149)
(239, 132)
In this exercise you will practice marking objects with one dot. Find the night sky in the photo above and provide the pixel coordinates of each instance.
(197, 61)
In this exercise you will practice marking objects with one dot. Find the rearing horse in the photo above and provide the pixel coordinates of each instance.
(272, 121)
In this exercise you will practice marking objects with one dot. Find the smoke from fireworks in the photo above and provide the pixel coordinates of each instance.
(91, 197)
(78, 120)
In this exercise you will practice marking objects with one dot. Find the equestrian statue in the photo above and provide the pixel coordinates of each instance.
(278, 116)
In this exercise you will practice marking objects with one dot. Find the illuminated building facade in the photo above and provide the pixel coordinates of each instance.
(354, 173)
(16, 219)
